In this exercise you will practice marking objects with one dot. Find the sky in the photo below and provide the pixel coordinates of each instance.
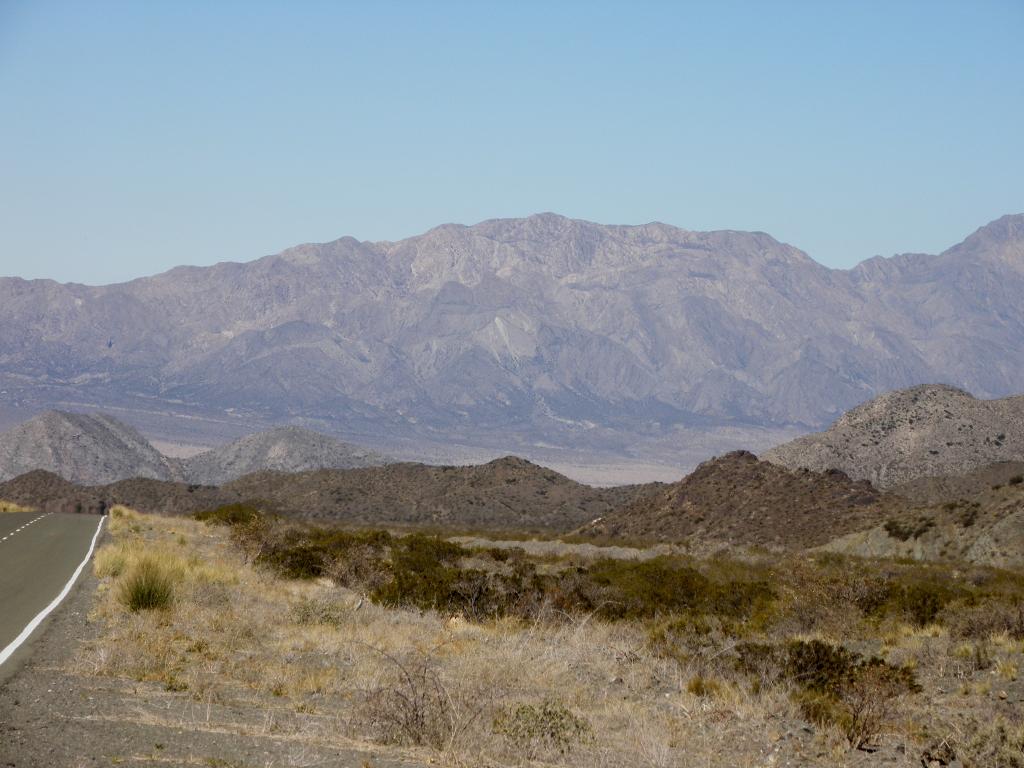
(138, 136)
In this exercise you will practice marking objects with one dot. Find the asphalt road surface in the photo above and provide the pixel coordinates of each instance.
(39, 555)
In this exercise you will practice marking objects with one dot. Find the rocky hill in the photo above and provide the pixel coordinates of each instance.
(738, 499)
(96, 449)
(506, 494)
(82, 448)
(913, 433)
(285, 449)
(519, 332)
(51, 493)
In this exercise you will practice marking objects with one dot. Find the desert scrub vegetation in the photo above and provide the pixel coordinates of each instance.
(436, 652)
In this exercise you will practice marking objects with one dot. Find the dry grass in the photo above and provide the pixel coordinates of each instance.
(320, 665)
(10, 506)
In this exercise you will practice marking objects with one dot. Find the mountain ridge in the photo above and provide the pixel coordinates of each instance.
(542, 330)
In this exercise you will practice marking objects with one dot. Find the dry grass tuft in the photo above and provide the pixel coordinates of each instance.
(149, 585)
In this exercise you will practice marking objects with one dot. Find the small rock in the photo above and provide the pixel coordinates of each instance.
(1002, 695)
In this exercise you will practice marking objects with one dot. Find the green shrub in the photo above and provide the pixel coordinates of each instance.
(648, 588)
(422, 573)
(905, 530)
(309, 554)
(920, 601)
(229, 514)
(661, 586)
(148, 586)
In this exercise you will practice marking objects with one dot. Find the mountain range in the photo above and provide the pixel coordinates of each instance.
(544, 332)
(952, 468)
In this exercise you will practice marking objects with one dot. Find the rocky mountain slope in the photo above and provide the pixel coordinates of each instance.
(937, 489)
(83, 448)
(96, 449)
(740, 500)
(506, 494)
(49, 492)
(913, 433)
(987, 528)
(543, 330)
(284, 449)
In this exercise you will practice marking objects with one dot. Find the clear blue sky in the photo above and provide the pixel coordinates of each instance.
(135, 136)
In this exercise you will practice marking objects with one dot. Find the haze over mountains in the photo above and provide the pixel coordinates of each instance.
(543, 331)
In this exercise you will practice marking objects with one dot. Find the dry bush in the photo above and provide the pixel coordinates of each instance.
(333, 669)
(316, 611)
(979, 622)
(411, 705)
(542, 730)
(871, 700)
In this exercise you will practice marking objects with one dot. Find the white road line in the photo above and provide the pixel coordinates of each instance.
(26, 525)
(31, 626)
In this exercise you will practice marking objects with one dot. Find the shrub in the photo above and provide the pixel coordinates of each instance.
(308, 554)
(314, 612)
(836, 686)
(229, 514)
(411, 705)
(149, 586)
(919, 602)
(987, 618)
(660, 586)
(536, 730)
(1016, 480)
(905, 530)
(422, 574)
(969, 516)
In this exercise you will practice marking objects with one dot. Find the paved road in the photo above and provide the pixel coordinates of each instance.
(39, 553)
